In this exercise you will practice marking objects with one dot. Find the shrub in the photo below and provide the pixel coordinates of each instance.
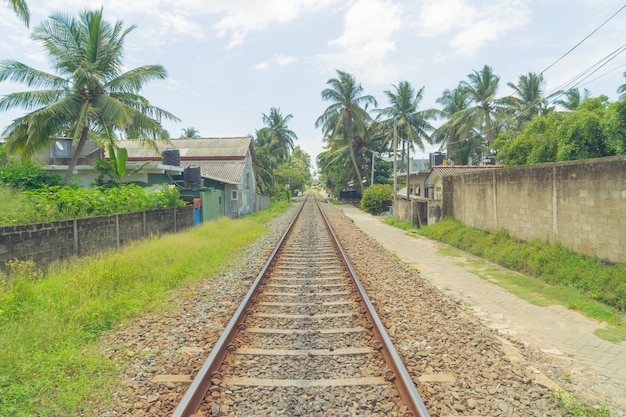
(373, 197)
(27, 176)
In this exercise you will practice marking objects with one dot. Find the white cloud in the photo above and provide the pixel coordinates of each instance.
(283, 60)
(471, 24)
(367, 41)
(276, 60)
(244, 16)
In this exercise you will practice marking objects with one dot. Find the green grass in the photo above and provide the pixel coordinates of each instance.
(575, 408)
(50, 322)
(547, 273)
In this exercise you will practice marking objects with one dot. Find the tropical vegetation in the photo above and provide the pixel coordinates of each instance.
(89, 97)
(51, 362)
(473, 125)
(282, 168)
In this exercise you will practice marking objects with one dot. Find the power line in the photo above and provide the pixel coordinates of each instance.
(587, 37)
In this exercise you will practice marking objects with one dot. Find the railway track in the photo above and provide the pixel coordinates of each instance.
(305, 341)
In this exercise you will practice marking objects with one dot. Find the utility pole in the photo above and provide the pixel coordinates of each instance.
(372, 179)
(395, 163)
(408, 170)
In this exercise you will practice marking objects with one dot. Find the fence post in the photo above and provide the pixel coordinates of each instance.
(75, 227)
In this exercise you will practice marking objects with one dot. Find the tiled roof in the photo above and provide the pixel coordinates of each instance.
(192, 149)
(445, 170)
(229, 172)
(220, 159)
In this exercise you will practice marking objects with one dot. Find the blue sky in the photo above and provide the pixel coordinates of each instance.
(231, 61)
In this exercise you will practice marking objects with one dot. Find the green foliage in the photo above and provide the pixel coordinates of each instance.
(26, 175)
(113, 171)
(593, 129)
(573, 407)
(61, 203)
(50, 323)
(373, 197)
(552, 263)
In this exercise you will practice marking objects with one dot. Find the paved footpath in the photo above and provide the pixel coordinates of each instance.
(559, 331)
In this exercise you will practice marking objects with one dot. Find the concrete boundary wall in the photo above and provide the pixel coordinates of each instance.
(47, 242)
(420, 212)
(580, 204)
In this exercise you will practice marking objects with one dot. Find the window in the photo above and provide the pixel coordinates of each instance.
(61, 148)
(234, 195)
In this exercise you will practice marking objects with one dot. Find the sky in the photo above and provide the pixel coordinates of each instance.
(230, 62)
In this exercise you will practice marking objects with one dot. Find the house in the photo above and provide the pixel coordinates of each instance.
(419, 170)
(218, 171)
(55, 159)
(434, 181)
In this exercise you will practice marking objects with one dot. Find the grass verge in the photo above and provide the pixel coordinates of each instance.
(547, 273)
(50, 322)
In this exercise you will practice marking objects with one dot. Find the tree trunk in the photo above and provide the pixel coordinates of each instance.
(395, 161)
(356, 167)
(408, 172)
(79, 149)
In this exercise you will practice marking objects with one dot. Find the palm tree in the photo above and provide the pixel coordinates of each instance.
(266, 149)
(277, 124)
(412, 125)
(90, 98)
(345, 117)
(573, 98)
(454, 134)
(21, 10)
(190, 133)
(622, 90)
(482, 88)
(528, 100)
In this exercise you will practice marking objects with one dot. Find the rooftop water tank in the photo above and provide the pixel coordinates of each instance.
(171, 157)
(193, 176)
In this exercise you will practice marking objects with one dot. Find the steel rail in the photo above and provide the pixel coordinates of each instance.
(194, 396)
(403, 380)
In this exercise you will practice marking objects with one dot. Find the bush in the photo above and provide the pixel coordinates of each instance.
(27, 176)
(62, 203)
(373, 197)
(551, 262)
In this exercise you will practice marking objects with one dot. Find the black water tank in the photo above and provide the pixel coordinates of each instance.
(171, 157)
(192, 174)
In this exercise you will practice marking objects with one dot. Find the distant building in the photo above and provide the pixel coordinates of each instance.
(226, 169)
(434, 180)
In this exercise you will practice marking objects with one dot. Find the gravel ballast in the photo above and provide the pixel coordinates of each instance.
(460, 366)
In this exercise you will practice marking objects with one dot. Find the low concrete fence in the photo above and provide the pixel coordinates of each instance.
(420, 212)
(47, 242)
(262, 202)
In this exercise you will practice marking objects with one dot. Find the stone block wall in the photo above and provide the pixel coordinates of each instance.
(47, 242)
(580, 204)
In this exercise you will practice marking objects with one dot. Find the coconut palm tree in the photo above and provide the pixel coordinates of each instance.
(455, 133)
(528, 98)
(573, 98)
(622, 90)
(21, 10)
(266, 149)
(190, 133)
(89, 98)
(277, 124)
(482, 87)
(346, 117)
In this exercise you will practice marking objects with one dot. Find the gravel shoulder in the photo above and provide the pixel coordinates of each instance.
(460, 366)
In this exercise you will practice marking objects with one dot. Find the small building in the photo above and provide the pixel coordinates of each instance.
(56, 158)
(226, 166)
(434, 181)
(419, 170)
